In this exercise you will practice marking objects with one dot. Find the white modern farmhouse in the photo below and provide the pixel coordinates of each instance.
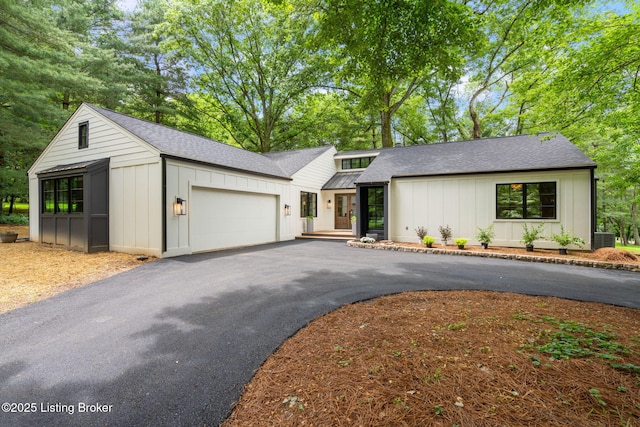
(108, 181)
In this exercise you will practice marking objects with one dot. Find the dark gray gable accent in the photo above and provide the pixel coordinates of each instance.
(292, 161)
(189, 147)
(342, 181)
(505, 154)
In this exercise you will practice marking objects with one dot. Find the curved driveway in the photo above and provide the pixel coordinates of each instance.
(173, 342)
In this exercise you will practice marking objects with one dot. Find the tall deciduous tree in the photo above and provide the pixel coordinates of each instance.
(390, 47)
(251, 61)
(522, 39)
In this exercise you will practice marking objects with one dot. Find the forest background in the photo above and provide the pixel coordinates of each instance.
(271, 75)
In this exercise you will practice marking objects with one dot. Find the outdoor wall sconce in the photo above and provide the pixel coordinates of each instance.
(180, 206)
(287, 210)
(329, 204)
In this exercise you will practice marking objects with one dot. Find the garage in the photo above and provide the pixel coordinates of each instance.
(226, 219)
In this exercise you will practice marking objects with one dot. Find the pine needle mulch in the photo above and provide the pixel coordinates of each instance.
(454, 358)
(31, 271)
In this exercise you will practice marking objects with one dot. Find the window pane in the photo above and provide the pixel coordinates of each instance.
(313, 204)
(83, 135)
(308, 204)
(510, 199)
(535, 200)
(77, 199)
(534, 206)
(62, 195)
(304, 204)
(375, 212)
(548, 200)
(48, 196)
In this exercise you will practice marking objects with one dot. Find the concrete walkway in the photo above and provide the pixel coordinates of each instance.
(173, 342)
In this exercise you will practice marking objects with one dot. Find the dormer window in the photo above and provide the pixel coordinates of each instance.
(357, 163)
(83, 135)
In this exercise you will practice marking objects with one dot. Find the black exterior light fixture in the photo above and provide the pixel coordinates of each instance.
(329, 204)
(180, 207)
(287, 210)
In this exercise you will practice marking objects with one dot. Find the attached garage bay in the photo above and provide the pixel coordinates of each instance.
(223, 219)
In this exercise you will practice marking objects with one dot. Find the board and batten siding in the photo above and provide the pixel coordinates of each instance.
(183, 177)
(135, 177)
(311, 178)
(468, 202)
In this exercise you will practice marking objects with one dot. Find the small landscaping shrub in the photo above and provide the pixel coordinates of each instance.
(485, 235)
(565, 239)
(367, 240)
(460, 242)
(428, 241)
(421, 232)
(445, 233)
(529, 235)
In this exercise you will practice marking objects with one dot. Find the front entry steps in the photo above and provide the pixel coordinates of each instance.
(328, 235)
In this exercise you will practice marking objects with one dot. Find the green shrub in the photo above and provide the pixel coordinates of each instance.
(428, 240)
(15, 219)
(460, 241)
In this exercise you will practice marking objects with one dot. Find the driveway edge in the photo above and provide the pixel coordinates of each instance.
(518, 257)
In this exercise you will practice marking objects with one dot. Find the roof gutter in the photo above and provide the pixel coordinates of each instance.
(493, 172)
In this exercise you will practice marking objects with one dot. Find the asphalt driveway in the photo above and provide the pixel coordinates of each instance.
(173, 342)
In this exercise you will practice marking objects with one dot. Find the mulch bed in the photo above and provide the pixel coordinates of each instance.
(466, 358)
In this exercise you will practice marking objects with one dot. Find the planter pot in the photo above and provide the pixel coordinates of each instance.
(562, 251)
(429, 245)
(8, 237)
(529, 248)
(460, 246)
(354, 229)
(485, 245)
(309, 226)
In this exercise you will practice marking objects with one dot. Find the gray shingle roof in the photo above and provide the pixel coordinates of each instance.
(505, 154)
(188, 146)
(292, 161)
(342, 180)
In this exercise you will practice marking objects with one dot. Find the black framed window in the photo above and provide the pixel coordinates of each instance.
(83, 135)
(308, 204)
(375, 208)
(49, 196)
(357, 163)
(535, 200)
(63, 195)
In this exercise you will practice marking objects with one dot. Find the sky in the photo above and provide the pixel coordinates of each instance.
(128, 5)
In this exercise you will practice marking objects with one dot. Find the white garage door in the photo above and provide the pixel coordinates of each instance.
(226, 219)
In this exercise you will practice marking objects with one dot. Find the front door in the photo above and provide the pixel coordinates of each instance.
(345, 209)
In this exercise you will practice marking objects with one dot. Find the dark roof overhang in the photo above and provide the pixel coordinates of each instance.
(73, 168)
(342, 181)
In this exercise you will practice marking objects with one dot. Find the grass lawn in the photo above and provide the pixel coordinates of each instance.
(18, 208)
(630, 248)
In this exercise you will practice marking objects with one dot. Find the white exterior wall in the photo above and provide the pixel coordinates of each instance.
(135, 222)
(311, 178)
(468, 202)
(182, 177)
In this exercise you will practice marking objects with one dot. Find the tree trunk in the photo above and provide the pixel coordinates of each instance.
(12, 201)
(65, 101)
(476, 132)
(621, 230)
(385, 128)
(634, 223)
